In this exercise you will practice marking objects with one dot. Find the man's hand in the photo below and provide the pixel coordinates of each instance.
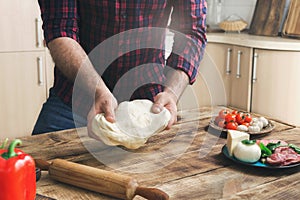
(176, 83)
(105, 103)
(167, 100)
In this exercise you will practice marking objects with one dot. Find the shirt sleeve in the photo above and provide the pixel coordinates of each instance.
(188, 23)
(60, 19)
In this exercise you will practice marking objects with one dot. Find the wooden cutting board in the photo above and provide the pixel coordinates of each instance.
(292, 24)
(267, 17)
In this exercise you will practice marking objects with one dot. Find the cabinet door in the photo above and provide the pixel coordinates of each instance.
(276, 89)
(49, 71)
(212, 86)
(241, 66)
(216, 72)
(20, 25)
(22, 89)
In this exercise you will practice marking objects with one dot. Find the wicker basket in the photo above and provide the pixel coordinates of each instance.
(233, 23)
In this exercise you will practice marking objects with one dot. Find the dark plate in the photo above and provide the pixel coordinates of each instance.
(265, 130)
(257, 164)
(37, 174)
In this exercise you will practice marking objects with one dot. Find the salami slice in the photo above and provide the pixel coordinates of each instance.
(283, 156)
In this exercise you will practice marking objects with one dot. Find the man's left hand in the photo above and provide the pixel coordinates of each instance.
(168, 100)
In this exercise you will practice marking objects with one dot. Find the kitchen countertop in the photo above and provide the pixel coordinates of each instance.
(197, 171)
(254, 41)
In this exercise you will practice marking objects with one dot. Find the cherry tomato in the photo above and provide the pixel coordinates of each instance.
(223, 113)
(246, 124)
(217, 119)
(222, 123)
(240, 118)
(248, 118)
(230, 118)
(232, 125)
(235, 112)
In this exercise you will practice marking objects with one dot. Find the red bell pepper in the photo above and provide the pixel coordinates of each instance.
(17, 174)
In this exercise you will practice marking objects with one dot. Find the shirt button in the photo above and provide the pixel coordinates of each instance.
(124, 15)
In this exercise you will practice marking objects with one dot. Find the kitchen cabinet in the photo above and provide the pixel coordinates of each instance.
(20, 25)
(49, 71)
(260, 74)
(276, 83)
(240, 67)
(212, 85)
(26, 67)
(23, 91)
(223, 79)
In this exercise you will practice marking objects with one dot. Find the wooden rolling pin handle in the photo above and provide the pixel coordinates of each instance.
(151, 193)
(42, 164)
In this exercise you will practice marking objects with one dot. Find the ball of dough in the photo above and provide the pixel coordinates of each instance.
(249, 153)
(135, 123)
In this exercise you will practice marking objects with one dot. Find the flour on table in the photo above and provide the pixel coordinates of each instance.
(135, 123)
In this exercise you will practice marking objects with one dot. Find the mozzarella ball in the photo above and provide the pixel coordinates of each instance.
(259, 124)
(254, 120)
(249, 153)
(242, 128)
(254, 128)
(264, 121)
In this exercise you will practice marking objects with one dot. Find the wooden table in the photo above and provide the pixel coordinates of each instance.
(201, 171)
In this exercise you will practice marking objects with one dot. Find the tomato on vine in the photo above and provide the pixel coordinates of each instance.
(222, 123)
(235, 112)
(246, 124)
(240, 118)
(223, 113)
(248, 118)
(232, 125)
(230, 118)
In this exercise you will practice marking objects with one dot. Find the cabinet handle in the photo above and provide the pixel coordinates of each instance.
(238, 66)
(38, 26)
(228, 71)
(254, 78)
(40, 71)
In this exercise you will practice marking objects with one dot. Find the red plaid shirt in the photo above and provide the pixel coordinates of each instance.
(90, 22)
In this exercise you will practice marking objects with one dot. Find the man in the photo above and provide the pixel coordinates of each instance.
(73, 28)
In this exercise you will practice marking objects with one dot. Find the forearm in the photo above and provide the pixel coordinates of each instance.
(69, 57)
(177, 81)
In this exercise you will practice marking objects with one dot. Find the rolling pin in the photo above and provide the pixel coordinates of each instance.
(98, 180)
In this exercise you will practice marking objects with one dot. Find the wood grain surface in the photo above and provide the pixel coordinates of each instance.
(201, 171)
(42, 197)
(291, 26)
(267, 17)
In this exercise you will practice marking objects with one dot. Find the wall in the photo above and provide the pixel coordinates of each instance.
(219, 10)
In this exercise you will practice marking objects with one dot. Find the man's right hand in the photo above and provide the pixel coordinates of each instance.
(106, 103)
(69, 57)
